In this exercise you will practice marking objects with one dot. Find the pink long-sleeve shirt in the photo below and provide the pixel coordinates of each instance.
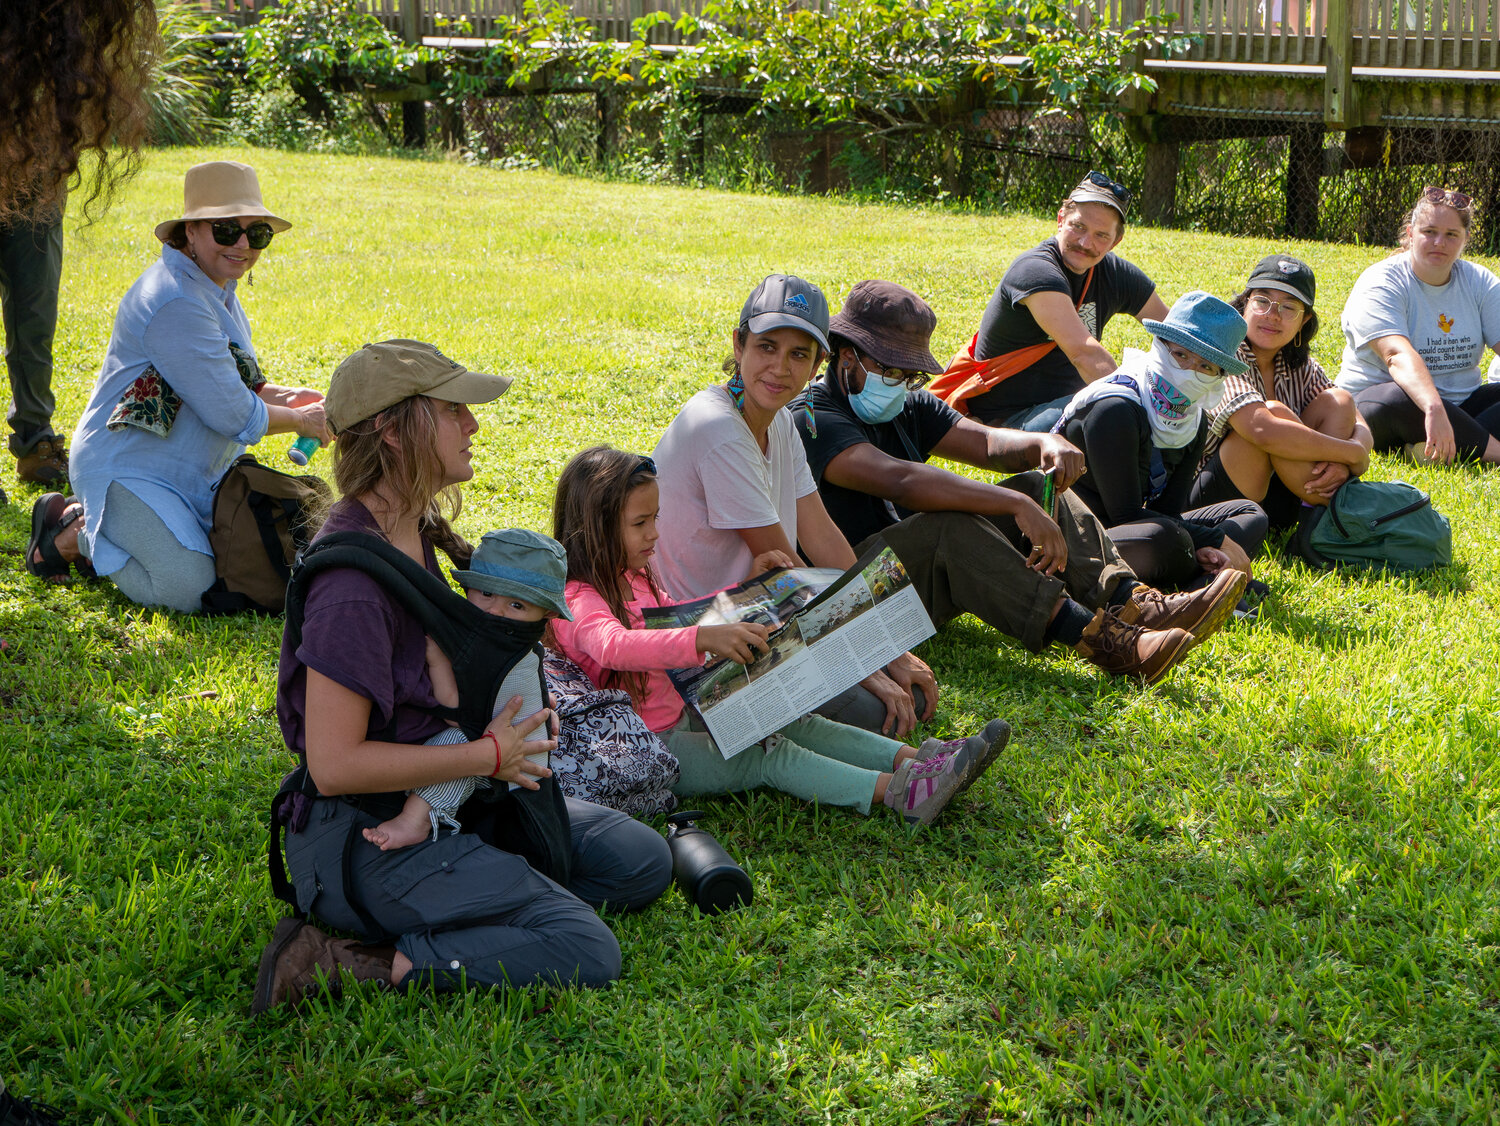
(596, 641)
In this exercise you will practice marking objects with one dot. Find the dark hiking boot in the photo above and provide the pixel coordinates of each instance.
(300, 960)
(1201, 612)
(1126, 650)
(47, 464)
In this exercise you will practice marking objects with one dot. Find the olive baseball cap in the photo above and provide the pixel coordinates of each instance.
(381, 375)
(787, 301)
(521, 563)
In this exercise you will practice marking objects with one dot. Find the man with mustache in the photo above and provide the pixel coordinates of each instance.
(1038, 342)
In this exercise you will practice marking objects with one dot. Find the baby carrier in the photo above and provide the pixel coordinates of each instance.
(483, 649)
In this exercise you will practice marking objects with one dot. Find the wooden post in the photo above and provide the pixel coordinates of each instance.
(1304, 169)
(607, 112)
(1338, 78)
(413, 113)
(1159, 182)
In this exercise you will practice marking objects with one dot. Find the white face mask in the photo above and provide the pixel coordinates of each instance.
(1176, 390)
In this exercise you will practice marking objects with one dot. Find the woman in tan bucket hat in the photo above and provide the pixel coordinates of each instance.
(180, 395)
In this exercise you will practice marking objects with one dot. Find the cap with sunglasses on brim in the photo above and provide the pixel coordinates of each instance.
(1285, 274)
(381, 375)
(1096, 187)
(221, 189)
(890, 324)
(521, 564)
(787, 301)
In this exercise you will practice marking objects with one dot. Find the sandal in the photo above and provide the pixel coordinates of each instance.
(50, 515)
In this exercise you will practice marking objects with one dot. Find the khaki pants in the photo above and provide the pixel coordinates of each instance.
(961, 563)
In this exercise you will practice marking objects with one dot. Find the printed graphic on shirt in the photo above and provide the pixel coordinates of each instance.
(1445, 322)
(1451, 349)
(1089, 315)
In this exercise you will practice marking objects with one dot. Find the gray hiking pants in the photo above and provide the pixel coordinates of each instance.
(465, 910)
(31, 257)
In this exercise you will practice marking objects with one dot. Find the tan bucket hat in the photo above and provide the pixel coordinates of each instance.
(221, 189)
(381, 375)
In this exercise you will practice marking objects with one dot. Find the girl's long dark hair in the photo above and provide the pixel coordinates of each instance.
(586, 515)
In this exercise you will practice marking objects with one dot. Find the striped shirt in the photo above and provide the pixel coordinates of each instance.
(1295, 388)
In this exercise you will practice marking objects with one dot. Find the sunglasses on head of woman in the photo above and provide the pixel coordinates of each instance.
(1456, 200)
(227, 232)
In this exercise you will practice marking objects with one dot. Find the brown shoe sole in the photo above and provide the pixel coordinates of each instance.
(1219, 612)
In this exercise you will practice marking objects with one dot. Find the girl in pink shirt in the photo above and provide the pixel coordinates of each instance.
(605, 516)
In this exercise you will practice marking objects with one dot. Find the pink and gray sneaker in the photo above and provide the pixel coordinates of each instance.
(919, 790)
(978, 751)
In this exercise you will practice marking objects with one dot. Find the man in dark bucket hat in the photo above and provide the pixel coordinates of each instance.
(972, 547)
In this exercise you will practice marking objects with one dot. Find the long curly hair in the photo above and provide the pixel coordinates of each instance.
(407, 470)
(586, 514)
(72, 80)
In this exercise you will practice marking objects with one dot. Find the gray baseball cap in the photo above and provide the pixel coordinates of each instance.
(787, 301)
(521, 563)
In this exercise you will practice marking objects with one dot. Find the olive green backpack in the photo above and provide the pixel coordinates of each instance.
(1374, 525)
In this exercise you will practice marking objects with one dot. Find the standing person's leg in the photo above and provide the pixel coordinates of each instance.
(31, 257)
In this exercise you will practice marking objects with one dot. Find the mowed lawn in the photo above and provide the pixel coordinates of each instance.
(1263, 891)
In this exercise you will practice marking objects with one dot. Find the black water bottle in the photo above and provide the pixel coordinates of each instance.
(706, 873)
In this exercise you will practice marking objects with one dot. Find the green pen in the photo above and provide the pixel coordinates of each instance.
(1049, 493)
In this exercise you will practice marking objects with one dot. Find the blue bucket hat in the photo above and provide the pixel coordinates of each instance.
(1203, 324)
(522, 564)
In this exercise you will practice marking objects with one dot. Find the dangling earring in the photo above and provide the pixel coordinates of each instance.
(250, 277)
(737, 388)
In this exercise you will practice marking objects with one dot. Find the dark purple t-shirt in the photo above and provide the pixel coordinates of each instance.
(357, 635)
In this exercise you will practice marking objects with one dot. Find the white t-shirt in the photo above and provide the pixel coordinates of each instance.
(714, 480)
(1449, 325)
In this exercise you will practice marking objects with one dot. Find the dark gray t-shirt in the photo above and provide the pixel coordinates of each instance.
(1007, 325)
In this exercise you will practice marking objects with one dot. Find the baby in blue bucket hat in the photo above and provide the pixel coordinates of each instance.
(516, 574)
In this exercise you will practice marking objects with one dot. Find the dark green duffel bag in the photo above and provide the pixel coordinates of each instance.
(1375, 524)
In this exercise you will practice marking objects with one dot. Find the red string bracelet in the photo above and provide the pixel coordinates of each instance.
(490, 735)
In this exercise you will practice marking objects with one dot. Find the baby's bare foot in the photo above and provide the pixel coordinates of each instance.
(402, 831)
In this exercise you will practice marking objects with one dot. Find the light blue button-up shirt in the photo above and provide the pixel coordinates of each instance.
(178, 321)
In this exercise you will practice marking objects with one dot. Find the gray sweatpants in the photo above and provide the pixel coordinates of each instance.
(464, 909)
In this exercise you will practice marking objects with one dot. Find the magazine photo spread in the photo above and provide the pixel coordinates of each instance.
(829, 630)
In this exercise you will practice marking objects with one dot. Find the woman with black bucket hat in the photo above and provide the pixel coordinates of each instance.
(1283, 435)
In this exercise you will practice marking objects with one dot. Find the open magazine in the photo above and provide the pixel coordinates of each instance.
(829, 630)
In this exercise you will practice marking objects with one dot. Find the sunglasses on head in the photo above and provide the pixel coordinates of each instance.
(1456, 200)
(227, 232)
(1118, 190)
(645, 465)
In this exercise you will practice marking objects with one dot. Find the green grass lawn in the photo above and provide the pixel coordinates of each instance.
(1263, 891)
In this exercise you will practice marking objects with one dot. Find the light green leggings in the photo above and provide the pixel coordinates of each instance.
(813, 758)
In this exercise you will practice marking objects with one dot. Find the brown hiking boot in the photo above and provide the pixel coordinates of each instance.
(45, 465)
(298, 952)
(1126, 650)
(1200, 612)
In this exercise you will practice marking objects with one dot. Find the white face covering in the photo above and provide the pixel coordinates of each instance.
(1174, 397)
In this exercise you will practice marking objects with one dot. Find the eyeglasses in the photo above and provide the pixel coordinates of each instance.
(895, 377)
(227, 232)
(1282, 308)
(1114, 188)
(1456, 200)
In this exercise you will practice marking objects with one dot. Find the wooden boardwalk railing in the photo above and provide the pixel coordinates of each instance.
(1400, 34)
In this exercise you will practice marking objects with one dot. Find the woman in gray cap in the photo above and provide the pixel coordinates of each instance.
(1283, 435)
(179, 397)
(354, 699)
(735, 484)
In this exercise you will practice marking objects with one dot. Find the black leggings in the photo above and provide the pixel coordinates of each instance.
(1161, 551)
(1281, 505)
(1397, 421)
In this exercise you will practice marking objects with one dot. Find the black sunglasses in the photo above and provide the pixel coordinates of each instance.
(1114, 188)
(645, 465)
(227, 232)
(1456, 200)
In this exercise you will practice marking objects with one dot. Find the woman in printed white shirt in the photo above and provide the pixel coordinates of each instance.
(1415, 329)
(1283, 435)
